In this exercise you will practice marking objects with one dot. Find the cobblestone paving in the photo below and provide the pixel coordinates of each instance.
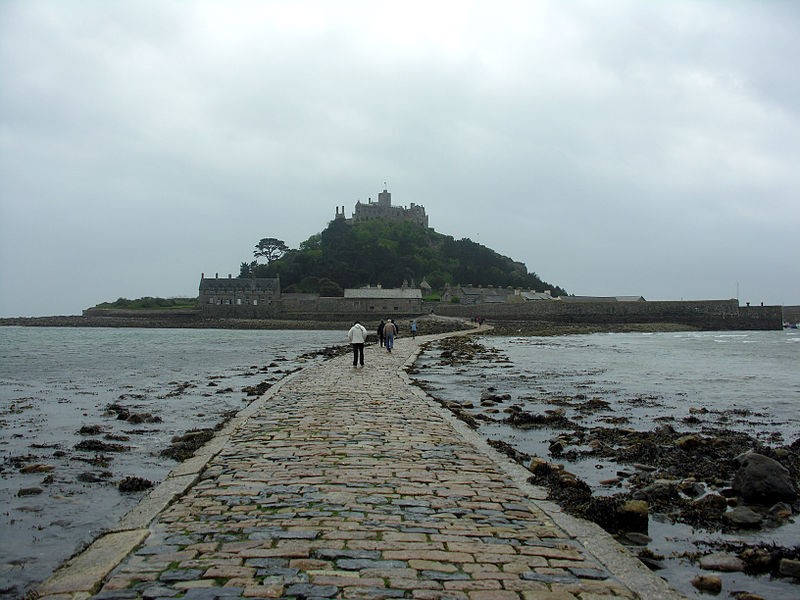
(349, 484)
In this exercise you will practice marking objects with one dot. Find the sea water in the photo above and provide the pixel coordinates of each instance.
(54, 381)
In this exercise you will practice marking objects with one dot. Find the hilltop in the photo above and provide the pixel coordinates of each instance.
(355, 254)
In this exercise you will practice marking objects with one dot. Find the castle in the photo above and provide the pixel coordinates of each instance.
(383, 209)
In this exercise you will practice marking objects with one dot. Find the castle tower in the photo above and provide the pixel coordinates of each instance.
(384, 198)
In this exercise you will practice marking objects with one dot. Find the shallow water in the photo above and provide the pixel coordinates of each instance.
(53, 381)
(743, 381)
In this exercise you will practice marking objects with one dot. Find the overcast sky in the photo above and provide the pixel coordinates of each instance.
(614, 147)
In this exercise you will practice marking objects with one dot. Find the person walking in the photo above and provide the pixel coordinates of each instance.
(414, 329)
(381, 337)
(357, 336)
(389, 331)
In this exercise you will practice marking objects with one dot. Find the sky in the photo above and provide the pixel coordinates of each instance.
(615, 147)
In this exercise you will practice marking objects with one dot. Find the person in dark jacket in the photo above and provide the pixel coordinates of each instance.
(381, 337)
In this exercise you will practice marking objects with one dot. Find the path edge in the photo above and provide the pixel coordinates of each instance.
(80, 576)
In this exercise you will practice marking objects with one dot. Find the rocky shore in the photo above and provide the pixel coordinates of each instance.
(695, 471)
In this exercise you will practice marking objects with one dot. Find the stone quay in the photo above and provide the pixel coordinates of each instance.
(345, 482)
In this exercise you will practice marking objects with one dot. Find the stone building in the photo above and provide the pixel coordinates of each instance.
(262, 294)
(469, 294)
(384, 301)
(383, 209)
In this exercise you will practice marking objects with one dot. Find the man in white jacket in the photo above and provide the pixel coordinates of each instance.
(357, 336)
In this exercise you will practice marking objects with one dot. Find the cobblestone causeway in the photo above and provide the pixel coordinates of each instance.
(350, 483)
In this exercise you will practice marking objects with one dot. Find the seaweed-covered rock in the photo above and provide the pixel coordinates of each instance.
(134, 484)
(183, 447)
(763, 480)
(708, 583)
(90, 430)
(98, 446)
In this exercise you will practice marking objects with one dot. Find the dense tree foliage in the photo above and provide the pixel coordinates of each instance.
(388, 253)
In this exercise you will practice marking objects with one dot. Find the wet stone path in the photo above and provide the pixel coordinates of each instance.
(351, 483)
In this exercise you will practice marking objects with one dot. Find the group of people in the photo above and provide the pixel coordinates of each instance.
(387, 330)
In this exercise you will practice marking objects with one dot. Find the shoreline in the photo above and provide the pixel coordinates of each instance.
(434, 324)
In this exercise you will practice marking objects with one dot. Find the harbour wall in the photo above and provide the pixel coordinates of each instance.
(703, 314)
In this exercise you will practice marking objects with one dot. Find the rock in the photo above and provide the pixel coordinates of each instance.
(539, 466)
(687, 442)
(490, 396)
(743, 517)
(643, 467)
(661, 489)
(37, 468)
(780, 511)
(711, 503)
(611, 481)
(789, 568)
(693, 489)
(758, 560)
(134, 484)
(746, 596)
(633, 515)
(722, 561)
(636, 538)
(708, 583)
(31, 491)
(98, 446)
(762, 480)
(90, 430)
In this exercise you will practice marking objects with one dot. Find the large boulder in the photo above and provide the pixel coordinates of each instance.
(762, 480)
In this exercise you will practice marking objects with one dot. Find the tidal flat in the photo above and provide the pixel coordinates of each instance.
(91, 418)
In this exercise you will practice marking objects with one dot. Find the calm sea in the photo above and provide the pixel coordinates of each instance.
(742, 381)
(54, 381)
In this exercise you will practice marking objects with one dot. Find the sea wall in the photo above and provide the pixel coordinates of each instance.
(791, 314)
(708, 314)
(703, 314)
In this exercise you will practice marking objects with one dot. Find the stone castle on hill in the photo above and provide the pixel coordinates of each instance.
(262, 298)
(383, 209)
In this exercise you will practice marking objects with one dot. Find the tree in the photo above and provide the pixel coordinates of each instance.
(245, 269)
(270, 248)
